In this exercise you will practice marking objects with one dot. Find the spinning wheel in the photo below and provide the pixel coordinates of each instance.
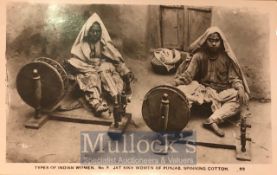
(165, 108)
(42, 83)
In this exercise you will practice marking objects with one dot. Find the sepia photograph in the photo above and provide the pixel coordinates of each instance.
(139, 86)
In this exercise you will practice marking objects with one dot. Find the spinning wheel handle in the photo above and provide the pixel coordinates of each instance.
(164, 110)
(37, 92)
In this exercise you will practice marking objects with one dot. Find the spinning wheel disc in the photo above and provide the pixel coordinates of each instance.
(53, 83)
(179, 110)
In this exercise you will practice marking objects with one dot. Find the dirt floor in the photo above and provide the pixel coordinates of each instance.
(58, 141)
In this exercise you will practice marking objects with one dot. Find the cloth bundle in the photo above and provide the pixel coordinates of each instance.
(165, 60)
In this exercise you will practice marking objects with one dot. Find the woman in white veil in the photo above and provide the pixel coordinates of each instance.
(98, 63)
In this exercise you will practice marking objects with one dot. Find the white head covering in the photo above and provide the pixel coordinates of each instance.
(82, 50)
(200, 41)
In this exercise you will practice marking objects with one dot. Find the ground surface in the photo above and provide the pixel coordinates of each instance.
(60, 141)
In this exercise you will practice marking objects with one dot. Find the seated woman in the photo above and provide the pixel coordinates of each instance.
(214, 76)
(98, 64)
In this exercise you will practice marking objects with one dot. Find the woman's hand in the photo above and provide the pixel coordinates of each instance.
(243, 97)
(129, 77)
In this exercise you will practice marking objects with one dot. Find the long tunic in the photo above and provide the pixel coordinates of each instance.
(217, 73)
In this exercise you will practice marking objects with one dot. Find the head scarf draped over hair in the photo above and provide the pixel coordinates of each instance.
(81, 48)
(200, 41)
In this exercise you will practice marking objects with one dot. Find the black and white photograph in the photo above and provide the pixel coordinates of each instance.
(155, 86)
